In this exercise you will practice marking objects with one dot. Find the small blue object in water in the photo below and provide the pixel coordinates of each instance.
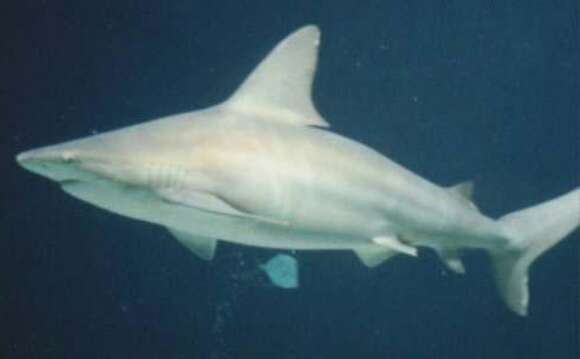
(282, 270)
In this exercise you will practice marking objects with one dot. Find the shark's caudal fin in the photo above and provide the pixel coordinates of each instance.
(532, 231)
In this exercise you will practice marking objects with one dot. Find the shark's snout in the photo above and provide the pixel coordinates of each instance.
(49, 162)
(39, 156)
(22, 157)
(33, 158)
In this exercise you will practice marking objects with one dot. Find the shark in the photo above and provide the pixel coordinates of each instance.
(263, 169)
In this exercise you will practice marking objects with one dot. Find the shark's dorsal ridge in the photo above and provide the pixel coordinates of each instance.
(280, 87)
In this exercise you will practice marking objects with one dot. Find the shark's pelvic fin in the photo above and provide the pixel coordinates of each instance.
(393, 243)
(280, 88)
(373, 256)
(387, 246)
(203, 247)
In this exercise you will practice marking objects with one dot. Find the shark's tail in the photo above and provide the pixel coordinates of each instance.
(531, 231)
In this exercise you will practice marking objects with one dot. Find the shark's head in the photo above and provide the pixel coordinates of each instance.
(98, 169)
(139, 155)
(144, 156)
(95, 169)
(126, 170)
(82, 161)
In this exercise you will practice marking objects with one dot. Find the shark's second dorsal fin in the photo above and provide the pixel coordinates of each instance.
(280, 88)
(463, 191)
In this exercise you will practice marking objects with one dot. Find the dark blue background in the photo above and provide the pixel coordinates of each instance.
(454, 90)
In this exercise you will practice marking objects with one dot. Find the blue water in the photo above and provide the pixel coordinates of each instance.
(453, 90)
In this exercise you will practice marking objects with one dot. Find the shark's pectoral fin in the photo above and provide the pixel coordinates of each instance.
(393, 243)
(280, 88)
(208, 202)
(375, 255)
(203, 247)
(451, 259)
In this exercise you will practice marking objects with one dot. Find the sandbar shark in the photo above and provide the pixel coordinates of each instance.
(262, 169)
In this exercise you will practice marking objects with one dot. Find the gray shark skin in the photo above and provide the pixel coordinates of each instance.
(259, 170)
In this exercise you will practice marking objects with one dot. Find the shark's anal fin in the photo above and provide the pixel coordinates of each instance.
(207, 202)
(452, 260)
(280, 88)
(393, 243)
(203, 247)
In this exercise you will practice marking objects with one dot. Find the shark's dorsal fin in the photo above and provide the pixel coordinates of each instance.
(280, 88)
